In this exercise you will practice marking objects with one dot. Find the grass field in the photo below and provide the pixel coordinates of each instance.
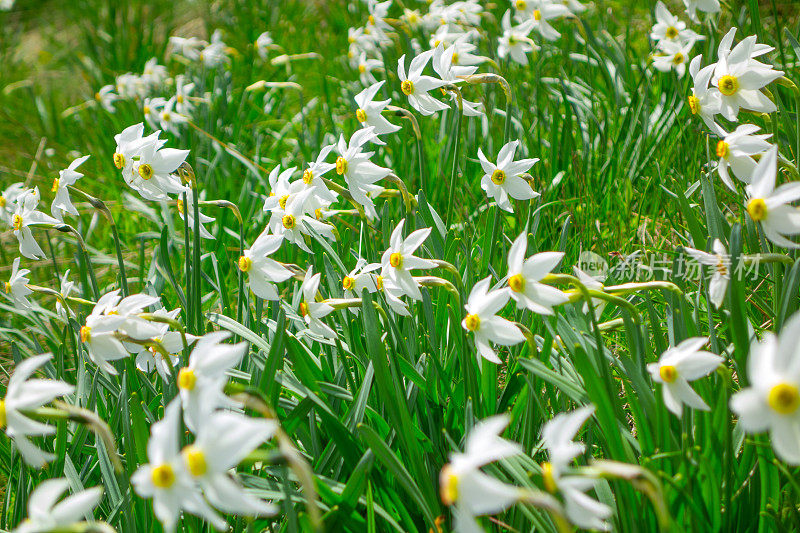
(450, 385)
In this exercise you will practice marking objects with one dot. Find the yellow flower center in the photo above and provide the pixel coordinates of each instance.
(282, 201)
(498, 177)
(163, 476)
(371, 20)
(379, 282)
(548, 478)
(784, 398)
(318, 213)
(186, 379)
(179, 98)
(448, 485)
(454, 61)
(723, 149)
(537, 15)
(119, 160)
(146, 171)
(86, 333)
(678, 59)
(668, 373)
(195, 460)
(757, 209)
(694, 104)
(521, 4)
(2, 414)
(303, 309)
(473, 322)
(165, 116)
(348, 283)
(396, 260)
(54, 188)
(2, 202)
(308, 176)
(146, 110)
(341, 165)
(407, 87)
(517, 283)
(671, 32)
(288, 221)
(728, 85)
(362, 68)
(245, 264)
(180, 205)
(7, 287)
(361, 115)
(16, 222)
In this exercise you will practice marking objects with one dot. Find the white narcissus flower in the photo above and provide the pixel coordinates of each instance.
(106, 98)
(263, 44)
(669, 27)
(504, 179)
(149, 358)
(223, 440)
(514, 42)
(365, 65)
(47, 513)
(704, 101)
(312, 176)
(541, 12)
(772, 401)
(152, 173)
(672, 56)
(16, 288)
(293, 221)
(151, 107)
(154, 74)
(354, 165)
(129, 142)
(200, 383)
(66, 289)
(740, 78)
(187, 47)
(216, 52)
(721, 261)
(416, 85)
(312, 311)
(169, 118)
(25, 394)
(524, 276)
(706, 6)
(399, 260)
(771, 206)
(183, 92)
(369, 112)
(677, 367)
(62, 201)
(164, 478)
(736, 150)
(472, 492)
(446, 66)
(262, 271)
(25, 216)
(185, 204)
(557, 435)
(8, 200)
(482, 320)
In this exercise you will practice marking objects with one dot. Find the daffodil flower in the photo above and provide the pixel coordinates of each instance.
(169, 118)
(66, 288)
(399, 260)
(524, 277)
(263, 272)
(16, 288)
(482, 320)
(721, 261)
(503, 180)
(106, 97)
(354, 165)
(704, 101)
(153, 74)
(706, 6)
(669, 27)
(188, 47)
(558, 438)
(152, 173)
(677, 367)
(166, 481)
(672, 56)
(24, 394)
(215, 53)
(8, 200)
(149, 359)
(62, 201)
(200, 383)
(450, 72)
(772, 401)
(472, 492)
(736, 150)
(263, 44)
(25, 216)
(740, 79)
(312, 176)
(293, 221)
(541, 12)
(514, 42)
(311, 311)
(770, 206)
(223, 440)
(183, 94)
(369, 112)
(151, 107)
(416, 85)
(47, 513)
